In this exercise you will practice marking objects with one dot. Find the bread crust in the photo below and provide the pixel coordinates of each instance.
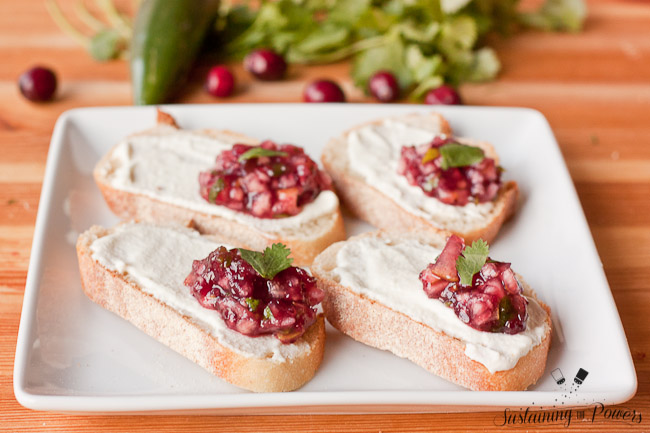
(305, 244)
(376, 325)
(371, 205)
(124, 298)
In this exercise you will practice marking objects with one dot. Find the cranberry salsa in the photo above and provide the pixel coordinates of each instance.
(257, 293)
(266, 181)
(454, 173)
(484, 293)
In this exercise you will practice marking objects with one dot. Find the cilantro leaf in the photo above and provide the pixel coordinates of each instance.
(453, 6)
(387, 57)
(324, 38)
(423, 43)
(472, 260)
(458, 155)
(484, 65)
(270, 262)
(458, 35)
(421, 66)
(257, 152)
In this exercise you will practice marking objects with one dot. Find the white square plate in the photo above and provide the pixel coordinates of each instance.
(72, 355)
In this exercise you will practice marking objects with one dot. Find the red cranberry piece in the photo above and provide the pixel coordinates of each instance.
(265, 64)
(220, 82)
(445, 267)
(383, 86)
(38, 84)
(444, 94)
(323, 91)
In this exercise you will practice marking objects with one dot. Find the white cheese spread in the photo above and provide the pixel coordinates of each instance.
(158, 259)
(374, 152)
(389, 274)
(164, 164)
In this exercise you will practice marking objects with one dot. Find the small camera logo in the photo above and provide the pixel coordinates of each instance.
(558, 376)
(580, 376)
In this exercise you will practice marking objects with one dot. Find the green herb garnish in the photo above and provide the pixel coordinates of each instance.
(472, 260)
(270, 262)
(257, 152)
(268, 314)
(215, 189)
(458, 155)
(252, 303)
(424, 43)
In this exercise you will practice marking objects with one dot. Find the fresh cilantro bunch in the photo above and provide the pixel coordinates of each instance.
(424, 43)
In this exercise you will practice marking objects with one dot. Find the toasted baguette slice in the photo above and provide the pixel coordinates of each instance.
(371, 322)
(379, 209)
(208, 342)
(305, 238)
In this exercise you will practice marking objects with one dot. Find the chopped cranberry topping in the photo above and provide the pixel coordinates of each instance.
(422, 166)
(273, 186)
(492, 303)
(251, 305)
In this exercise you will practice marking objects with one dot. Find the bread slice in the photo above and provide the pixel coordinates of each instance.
(306, 238)
(371, 322)
(217, 350)
(379, 209)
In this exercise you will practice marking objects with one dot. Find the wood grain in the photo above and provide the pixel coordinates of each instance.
(594, 87)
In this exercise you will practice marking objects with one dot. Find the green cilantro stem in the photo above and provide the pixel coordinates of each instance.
(345, 52)
(60, 20)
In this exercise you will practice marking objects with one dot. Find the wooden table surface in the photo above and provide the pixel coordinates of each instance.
(594, 88)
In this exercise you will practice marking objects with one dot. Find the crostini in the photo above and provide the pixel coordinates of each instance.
(255, 325)
(447, 307)
(255, 194)
(410, 172)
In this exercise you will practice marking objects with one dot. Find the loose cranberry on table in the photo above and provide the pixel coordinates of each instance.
(489, 299)
(265, 64)
(426, 166)
(323, 91)
(282, 306)
(220, 82)
(383, 86)
(38, 84)
(266, 181)
(445, 95)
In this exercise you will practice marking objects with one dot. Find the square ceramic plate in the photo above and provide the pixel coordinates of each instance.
(72, 355)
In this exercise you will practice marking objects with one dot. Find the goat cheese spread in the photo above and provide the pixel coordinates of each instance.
(158, 259)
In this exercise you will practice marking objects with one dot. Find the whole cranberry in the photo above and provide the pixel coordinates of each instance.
(383, 86)
(38, 84)
(323, 91)
(442, 95)
(220, 82)
(265, 64)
